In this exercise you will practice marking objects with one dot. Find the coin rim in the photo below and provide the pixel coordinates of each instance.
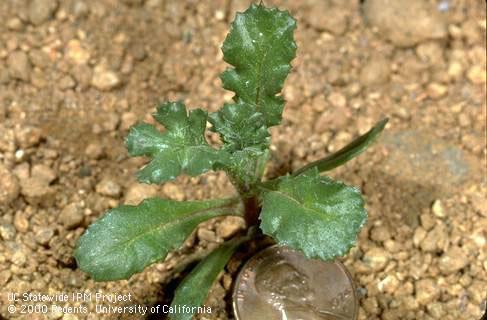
(336, 262)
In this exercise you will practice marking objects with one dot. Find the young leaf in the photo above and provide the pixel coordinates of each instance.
(241, 127)
(246, 139)
(348, 152)
(181, 149)
(260, 46)
(129, 238)
(313, 214)
(193, 290)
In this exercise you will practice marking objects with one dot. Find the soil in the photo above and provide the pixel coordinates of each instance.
(76, 74)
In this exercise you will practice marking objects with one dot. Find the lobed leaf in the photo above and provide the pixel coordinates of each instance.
(129, 238)
(193, 290)
(260, 46)
(350, 151)
(313, 214)
(182, 148)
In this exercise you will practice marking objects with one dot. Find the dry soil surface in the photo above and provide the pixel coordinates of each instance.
(76, 74)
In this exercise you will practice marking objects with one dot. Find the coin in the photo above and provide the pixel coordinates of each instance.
(279, 283)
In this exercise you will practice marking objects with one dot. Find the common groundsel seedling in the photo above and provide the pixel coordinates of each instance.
(303, 210)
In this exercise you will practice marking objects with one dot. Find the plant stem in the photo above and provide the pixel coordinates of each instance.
(252, 210)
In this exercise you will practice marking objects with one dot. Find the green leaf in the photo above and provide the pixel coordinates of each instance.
(348, 152)
(246, 139)
(245, 167)
(193, 290)
(313, 214)
(182, 148)
(129, 238)
(241, 127)
(260, 46)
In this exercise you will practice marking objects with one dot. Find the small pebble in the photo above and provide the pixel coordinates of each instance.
(41, 10)
(173, 191)
(66, 82)
(337, 100)
(389, 284)
(14, 24)
(27, 137)
(380, 233)
(72, 216)
(108, 187)
(376, 259)
(19, 66)
(477, 75)
(435, 240)
(10, 188)
(438, 209)
(44, 235)
(5, 276)
(206, 235)
(128, 119)
(137, 192)
(104, 79)
(76, 53)
(375, 71)
(37, 192)
(95, 151)
(436, 90)
(229, 226)
(19, 258)
(427, 291)
(7, 231)
(21, 222)
(419, 235)
(453, 260)
(44, 173)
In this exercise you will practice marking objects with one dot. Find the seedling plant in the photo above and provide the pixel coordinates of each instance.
(304, 210)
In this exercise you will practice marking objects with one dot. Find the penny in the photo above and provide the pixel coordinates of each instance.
(279, 283)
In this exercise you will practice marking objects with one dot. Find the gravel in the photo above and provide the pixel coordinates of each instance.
(10, 186)
(72, 84)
